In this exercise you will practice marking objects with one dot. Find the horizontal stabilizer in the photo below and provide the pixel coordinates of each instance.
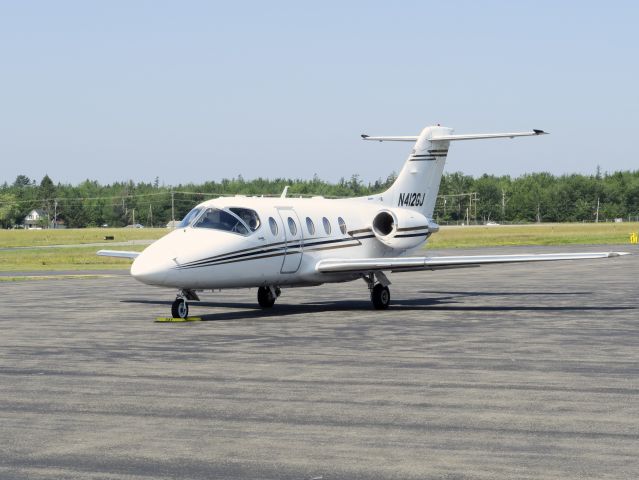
(450, 138)
(427, 263)
(118, 253)
(391, 139)
(482, 136)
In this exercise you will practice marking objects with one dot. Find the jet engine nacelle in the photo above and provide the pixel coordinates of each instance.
(402, 229)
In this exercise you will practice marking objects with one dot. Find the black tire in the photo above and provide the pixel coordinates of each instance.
(265, 298)
(180, 309)
(380, 297)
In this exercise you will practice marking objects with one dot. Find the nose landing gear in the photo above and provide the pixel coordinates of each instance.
(180, 307)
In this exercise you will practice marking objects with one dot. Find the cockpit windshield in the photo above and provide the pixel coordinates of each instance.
(217, 219)
(186, 221)
(250, 217)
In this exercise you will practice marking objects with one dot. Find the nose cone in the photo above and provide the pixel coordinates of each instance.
(155, 263)
(150, 270)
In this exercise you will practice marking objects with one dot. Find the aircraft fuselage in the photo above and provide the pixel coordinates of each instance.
(306, 231)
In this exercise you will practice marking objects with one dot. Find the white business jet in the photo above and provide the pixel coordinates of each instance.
(268, 243)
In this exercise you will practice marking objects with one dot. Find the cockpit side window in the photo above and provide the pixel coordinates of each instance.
(250, 217)
(217, 219)
(188, 219)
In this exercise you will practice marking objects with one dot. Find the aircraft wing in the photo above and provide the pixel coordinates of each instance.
(432, 263)
(118, 253)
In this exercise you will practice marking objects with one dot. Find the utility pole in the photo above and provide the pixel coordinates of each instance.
(55, 213)
(172, 207)
(151, 214)
(503, 204)
(133, 221)
(597, 215)
(476, 201)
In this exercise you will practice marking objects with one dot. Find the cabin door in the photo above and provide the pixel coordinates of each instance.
(293, 238)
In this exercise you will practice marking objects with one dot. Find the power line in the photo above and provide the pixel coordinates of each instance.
(81, 199)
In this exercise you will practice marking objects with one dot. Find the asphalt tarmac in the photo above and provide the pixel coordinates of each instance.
(499, 372)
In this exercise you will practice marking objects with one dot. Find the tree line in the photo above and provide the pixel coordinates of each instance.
(535, 197)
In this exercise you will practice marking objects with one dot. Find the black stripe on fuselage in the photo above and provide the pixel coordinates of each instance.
(361, 230)
(332, 247)
(408, 229)
(305, 243)
(266, 252)
(412, 235)
(235, 252)
(226, 256)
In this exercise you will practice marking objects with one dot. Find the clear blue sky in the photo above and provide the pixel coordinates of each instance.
(194, 91)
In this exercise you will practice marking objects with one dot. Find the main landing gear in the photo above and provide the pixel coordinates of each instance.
(180, 307)
(266, 296)
(378, 285)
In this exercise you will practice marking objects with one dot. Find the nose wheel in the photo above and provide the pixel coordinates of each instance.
(179, 308)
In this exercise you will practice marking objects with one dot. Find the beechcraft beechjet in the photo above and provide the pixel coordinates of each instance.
(275, 243)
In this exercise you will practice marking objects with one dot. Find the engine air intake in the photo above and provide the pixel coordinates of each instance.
(383, 224)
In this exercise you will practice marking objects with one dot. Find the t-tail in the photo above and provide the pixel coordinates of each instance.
(417, 184)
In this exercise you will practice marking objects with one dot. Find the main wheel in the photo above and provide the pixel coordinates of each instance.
(380, 296)
(265, 297)
(180, 309)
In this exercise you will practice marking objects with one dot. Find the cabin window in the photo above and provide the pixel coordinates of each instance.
(217, 219)
(273, 224)
(249, 217)
(310, 226)
(342, 225)
(186, 221)
(327, 225)
(291, 226)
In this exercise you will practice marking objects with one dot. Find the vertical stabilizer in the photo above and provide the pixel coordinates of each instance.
(417, 184)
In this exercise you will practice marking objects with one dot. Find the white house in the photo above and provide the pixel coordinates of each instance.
(35, 218)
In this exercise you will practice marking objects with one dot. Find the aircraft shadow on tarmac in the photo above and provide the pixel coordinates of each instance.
(450, 301)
